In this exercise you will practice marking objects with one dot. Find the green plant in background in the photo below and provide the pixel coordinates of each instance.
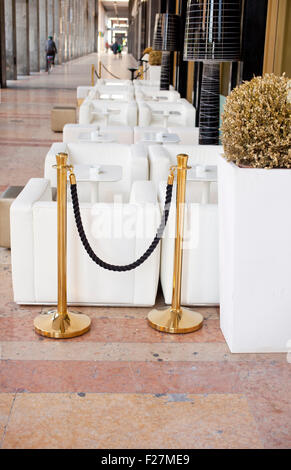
(256, 123)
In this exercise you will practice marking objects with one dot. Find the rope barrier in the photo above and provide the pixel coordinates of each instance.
(112, 74)
(148, 252)
(115, 76)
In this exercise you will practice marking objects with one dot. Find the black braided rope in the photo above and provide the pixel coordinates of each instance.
(139, 261)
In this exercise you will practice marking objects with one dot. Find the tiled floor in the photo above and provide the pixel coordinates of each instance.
(123, 385)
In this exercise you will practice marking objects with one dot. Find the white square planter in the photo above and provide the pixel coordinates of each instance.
(255, 257)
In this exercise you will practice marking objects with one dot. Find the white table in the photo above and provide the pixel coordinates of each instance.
(102, 138)
(160, 138)
(166, 114)
(107, 173)
(106, 113)
(208, 176)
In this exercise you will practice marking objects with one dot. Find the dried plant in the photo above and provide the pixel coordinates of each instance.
(147, 50)
(155, 58)
(256, 123)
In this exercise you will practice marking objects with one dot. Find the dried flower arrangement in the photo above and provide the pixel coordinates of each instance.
(155, 58)
(256, 123)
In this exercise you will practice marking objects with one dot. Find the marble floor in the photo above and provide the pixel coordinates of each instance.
(122, 385)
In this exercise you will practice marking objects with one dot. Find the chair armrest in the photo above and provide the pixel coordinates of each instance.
(143, 192)
(139, 162)
(85, 112)
(83, 91)
(22, 238)
(131, 114)
(160, 162)
(50, 160)
(145, 114)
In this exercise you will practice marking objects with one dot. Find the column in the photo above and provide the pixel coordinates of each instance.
(43, 32)
(34, 58)
(10, 39)
(50, 18)
(69, 29)
(96, 27)
(58, 34)
(22, 37)
(2, 47)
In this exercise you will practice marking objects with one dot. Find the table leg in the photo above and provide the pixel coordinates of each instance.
(205, 192)
(94, 191)
(166, 121)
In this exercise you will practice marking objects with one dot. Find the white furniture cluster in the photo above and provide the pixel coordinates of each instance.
(122, 150)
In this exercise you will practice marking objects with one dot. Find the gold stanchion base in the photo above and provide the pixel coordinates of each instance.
(169, 321)
(53, 325)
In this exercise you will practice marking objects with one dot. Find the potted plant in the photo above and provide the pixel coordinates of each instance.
(254, 184)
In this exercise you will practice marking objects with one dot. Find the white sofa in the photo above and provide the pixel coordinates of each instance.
(161, 157)
(119, 234)
(92, 111)
(200, 268)
(145, 94)
(132, 159)
(76, 132)
(181, 114)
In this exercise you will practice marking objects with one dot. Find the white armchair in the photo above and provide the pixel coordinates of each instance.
(76, 133)
(117, 233)
(132, 159)
(187, 135)
(101, 88)
(163, 96)
(168, 114)
(161, 157)
(108, 113)
(200, 270)
(118, 93)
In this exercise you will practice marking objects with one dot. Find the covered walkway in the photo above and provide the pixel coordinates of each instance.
(123, 385)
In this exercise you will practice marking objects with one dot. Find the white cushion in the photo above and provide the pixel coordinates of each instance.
(161, 157)
(200, 278)
(132, 159)
(185, 113)
(121, 134)
(91, 111)
(118, 233)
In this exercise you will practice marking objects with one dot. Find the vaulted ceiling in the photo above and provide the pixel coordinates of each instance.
(116, 8)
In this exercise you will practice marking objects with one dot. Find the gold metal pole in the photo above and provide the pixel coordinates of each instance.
(93, 75)
(100, 68)
(61, 323)
(177, 319)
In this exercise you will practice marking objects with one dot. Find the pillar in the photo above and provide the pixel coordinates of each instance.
(22, 37)
(96, 27)
(58, 35)
(34, 58)
(50, 18)
(10, 39)
(2, 46)
(43, 32)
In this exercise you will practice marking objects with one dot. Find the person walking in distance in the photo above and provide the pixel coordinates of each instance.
(51, 50)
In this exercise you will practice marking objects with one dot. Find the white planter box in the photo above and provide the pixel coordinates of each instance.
(255, 257)
(154, 72)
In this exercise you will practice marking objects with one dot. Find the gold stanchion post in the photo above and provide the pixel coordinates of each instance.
(177, 319)
(100, 68)
(61, 323)
(93, 75)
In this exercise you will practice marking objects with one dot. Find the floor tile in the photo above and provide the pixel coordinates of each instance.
(111, 421)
